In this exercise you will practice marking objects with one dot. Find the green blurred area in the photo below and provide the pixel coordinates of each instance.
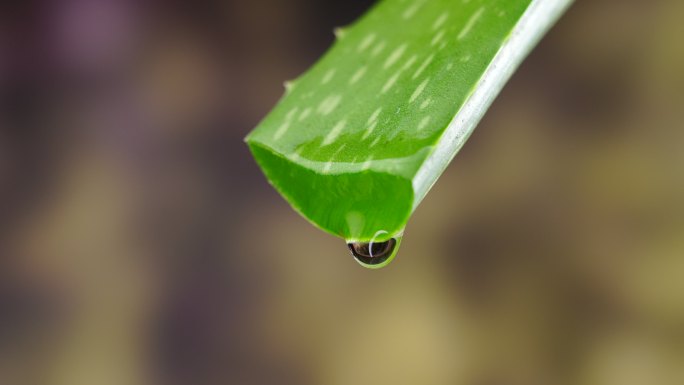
(139, 243)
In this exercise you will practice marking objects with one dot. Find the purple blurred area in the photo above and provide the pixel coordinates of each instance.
(140, 244)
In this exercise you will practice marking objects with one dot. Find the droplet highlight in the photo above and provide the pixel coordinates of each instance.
(374, 254)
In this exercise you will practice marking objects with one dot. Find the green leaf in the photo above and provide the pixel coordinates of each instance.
(359, 139)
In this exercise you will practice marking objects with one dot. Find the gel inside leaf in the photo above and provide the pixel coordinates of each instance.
(358, 140)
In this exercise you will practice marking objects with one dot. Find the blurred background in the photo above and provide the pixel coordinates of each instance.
(140, 244)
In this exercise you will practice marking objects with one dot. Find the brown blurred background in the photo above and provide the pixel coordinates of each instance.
(140, 244)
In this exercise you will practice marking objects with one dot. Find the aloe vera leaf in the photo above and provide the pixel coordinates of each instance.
(359, 139)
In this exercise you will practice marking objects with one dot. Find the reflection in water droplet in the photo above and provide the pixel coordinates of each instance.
(373, 254)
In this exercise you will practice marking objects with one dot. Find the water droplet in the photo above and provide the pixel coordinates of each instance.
(374, 254)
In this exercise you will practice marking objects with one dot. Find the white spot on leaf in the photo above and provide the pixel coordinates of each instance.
(374, 116)
(409, 62)
(438, 37)
(358, 75)
(305, 114)
(423, 123)
(369, 130)
(328, 76)
(418, 90)
(423, 66)
(440, 20)
(366, 42)
(334, 133)
(390, 82)
(378, 48)
(394, 56)
(470, 23)
(329, 104)
(291, 113)
(281, 130)
(410, 11)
